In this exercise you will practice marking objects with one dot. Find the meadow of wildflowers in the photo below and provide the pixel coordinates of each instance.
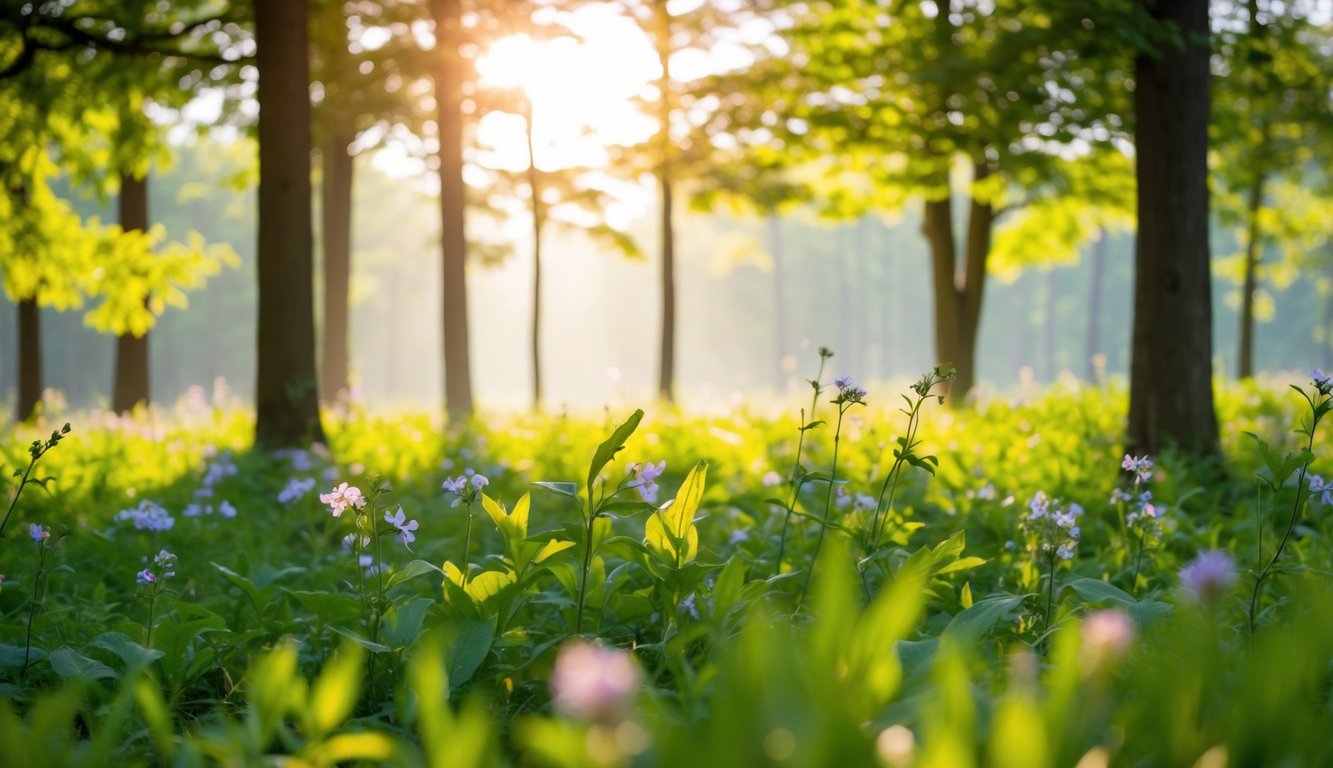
(870, 579)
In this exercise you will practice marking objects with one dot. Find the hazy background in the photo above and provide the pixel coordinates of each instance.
(859, 288)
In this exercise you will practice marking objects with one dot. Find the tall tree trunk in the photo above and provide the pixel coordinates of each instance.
(449, 76)
(666, 369)
(958, 295)
(1171, 392)
(538, 219)
(1095, 285)
(1048, 327)
(286, 385)
(775, 251)
(336, 225)
(1253, 253)
(130, 386)
(30, 359)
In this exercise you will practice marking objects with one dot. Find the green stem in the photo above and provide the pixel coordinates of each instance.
(467, 546)
(1134, 585)
(152, 608)
(797, 485)
(14, 501)
(583, 581)
(1291, 525)
(1050, 591)
(32, 609)
(828, 506)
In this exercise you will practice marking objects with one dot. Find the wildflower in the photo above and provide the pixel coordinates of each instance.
(1141, 466)
(478, 482)
(1321, 488)
(842, 498)
(1107, 636)
(405, 527)
(1322, 382)
(296, 489)
(771, 479)
(1209, 575)
(38, 533)
(165, 561)
(146, 577)
(863, 502)
(148, 516)
(986, 493)
(342, 497)
(590, 682)
(645, 479)
(848, 391)
(226, 509)
(456, 485)
(1052, 526)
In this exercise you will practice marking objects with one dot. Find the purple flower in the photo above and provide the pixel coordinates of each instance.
(296, 488)
(1209, 575)
(38, 533)
(455, 485)
(405, 527)
(146, 577)
(1322, 381)
(645, 479)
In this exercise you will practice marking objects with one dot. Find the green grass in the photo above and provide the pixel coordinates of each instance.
(931, 646)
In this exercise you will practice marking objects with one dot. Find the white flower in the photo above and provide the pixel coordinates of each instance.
(593, 683)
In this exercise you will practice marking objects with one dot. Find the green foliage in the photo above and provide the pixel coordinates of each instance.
(928, 647)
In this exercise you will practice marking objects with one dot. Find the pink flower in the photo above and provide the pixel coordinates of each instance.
(593, 683)
(342, 497)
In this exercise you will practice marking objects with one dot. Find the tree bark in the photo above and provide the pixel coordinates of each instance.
(666, 369)
(1171, 393)
(779, 302)
(538, 219)
(1095, 286)
(286, 386)
(336, 223)
(449, 76)
(958, 296)
(30, 359)
(130, 386)
(1253, 253)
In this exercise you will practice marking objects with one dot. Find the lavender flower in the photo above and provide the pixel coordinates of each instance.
(296, 489)
(148, 516)
(645, 479)
(1053, 527)
(38, 533)
(1209, 575)
(405, 527)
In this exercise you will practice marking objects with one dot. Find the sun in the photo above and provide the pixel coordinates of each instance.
(582, 93)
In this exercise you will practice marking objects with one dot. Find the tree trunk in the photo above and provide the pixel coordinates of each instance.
(30, 359)
(449, 76)
(666, 369)
(336, 223)
(667, 363)
(1094, 348)
(1253, 253)
(130, 386)
(1171, 393)
(1048, 327)
(779, 302)
(538, 219)
(286, 385)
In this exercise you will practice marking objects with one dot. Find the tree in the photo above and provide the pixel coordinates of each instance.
(1271, 114)
(286, 398)
(973, 109)
(450, 72)
(1171, 388)
(61, 53)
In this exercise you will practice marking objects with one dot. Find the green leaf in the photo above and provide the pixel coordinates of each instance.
(67, 663)
(671, 531)
(551, 548)
(1097, 591)
(366, 643)
(607, 450)
(411, 571)
(335, 690)
(130, 652)
(570, 490)
(466, 646)
(972, 623)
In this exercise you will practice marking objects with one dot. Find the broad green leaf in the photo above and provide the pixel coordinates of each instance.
(67, 663)
(670, 531)
(607, 450)
(335, 691)
(411, 571)
(130, 652)
(972, 623)
(466, 646)
(552, 547)
(1098, 591)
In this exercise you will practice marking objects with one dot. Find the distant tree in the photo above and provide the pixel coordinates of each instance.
(286, 397)
(1270, 123)
(1001, 104)
(54, 57)
(1171, 386)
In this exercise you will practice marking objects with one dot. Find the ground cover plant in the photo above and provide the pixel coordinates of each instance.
(869, 579)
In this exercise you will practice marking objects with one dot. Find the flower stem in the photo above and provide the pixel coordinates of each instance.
(828, 506)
